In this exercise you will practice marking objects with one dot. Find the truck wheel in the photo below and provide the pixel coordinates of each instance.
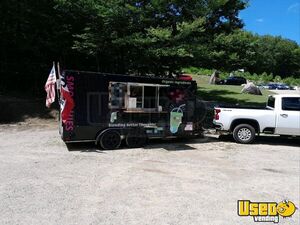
(136, 138)
(110, 140)
(244, 134)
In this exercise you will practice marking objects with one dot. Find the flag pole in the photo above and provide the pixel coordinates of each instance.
(58, 81)
(58, 84)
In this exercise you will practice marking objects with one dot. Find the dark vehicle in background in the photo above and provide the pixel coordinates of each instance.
(275, 86)
(282, 87)
(233, 81)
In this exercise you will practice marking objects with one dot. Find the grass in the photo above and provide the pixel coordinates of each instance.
(228, 93)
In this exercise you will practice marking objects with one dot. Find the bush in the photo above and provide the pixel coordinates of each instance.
(292, 81)
(277, 79)
(197, 70)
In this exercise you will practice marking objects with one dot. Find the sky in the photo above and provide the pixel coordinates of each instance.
(274, 17)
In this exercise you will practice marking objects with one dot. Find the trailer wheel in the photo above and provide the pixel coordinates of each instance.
(244, 134)
(110, 140)
(136, 138)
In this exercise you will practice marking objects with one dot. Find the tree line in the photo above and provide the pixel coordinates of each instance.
(157, 37)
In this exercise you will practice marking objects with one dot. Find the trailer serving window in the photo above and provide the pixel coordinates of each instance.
(135, 96)
(117, 92)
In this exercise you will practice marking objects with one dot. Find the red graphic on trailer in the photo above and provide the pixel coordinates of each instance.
(67, 102)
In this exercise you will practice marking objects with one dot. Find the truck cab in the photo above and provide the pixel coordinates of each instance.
(287, 109)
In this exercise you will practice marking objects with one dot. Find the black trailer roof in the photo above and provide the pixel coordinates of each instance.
(150, 77)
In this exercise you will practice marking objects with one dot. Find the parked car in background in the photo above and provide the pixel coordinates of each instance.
(283, 87)
(233, 81)
(275, 86)
(271, 86)
(263, 86)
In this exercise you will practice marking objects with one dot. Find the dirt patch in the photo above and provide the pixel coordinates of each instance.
(15, 110)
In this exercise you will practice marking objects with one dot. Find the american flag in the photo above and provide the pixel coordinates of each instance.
(50, 87)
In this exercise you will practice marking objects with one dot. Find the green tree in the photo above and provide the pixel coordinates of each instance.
(150, 36)
(254, 53)
(140, 37)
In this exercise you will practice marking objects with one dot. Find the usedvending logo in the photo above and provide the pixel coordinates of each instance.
(266, 211)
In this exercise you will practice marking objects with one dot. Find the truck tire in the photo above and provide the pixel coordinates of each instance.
(110, 140)
(136, 138)
(244, 134)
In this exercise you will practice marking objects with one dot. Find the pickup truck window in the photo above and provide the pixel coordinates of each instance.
(271, 102)
(291, 103)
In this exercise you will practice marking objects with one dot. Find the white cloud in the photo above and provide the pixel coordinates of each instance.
(260, 20)
(294, 8)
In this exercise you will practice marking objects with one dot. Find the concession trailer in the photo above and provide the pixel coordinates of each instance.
(110, 108)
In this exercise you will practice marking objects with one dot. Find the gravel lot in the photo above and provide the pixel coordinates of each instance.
(42, 181)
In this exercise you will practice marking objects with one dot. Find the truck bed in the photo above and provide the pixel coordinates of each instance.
(241, 107)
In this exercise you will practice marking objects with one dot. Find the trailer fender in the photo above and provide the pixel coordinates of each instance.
(102, 132)
(123, 132)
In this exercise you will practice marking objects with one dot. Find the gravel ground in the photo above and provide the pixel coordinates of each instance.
(43, 181)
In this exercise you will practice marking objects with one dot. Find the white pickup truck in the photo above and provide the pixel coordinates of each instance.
(280, 116)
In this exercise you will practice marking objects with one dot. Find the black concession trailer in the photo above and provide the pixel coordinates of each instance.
(111, 108)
